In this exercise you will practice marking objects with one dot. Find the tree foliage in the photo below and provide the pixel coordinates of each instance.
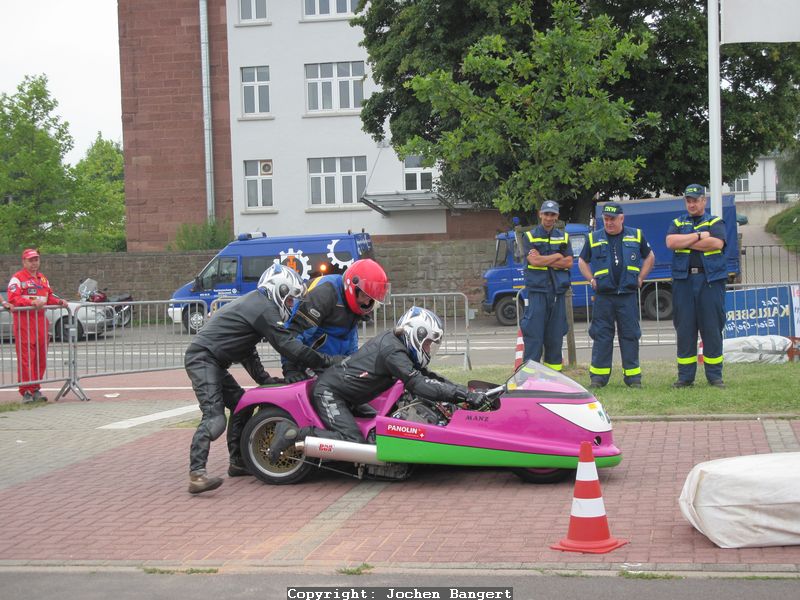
(45, 203)
(535, 122)
(34, 183)
(760, 98)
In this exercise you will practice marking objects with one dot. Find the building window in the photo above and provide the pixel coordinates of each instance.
(252, 10)
(329, 8)
(258, 183)
(335, 86)
(417, 177)
(742, 184)
(337, 180)
(255, 90)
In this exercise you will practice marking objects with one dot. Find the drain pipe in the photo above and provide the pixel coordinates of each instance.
(206, 77)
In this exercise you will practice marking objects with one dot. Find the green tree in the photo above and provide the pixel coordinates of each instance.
(34, 182)
(534, 122)
(94, 218)
(760, 98)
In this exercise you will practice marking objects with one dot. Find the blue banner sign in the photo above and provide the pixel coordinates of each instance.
(759, 311)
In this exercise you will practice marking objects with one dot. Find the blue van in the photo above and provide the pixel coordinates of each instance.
(237, 268)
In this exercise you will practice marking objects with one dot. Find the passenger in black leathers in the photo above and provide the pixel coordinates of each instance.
(403, 354)
(230, 336)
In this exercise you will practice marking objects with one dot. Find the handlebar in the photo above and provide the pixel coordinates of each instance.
(496, 391)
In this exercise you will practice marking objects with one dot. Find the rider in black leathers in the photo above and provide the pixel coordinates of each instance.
(403, 354)
(230, 336)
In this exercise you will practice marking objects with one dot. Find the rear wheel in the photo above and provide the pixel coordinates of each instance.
(61, 329)
(256, 438)
(543, 475)
(657, 303)
(506, 310)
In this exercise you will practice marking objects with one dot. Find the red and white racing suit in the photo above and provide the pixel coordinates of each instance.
(31, 327)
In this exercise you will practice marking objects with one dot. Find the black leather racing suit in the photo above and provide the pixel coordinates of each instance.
(230, 336)
(362, 376)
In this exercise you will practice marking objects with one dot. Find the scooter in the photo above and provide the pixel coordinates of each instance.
(533, 424)
(123, 313)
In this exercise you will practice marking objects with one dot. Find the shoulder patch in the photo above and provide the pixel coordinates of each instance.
(314, 313)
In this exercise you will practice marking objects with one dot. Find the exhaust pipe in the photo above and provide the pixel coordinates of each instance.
(315, 447)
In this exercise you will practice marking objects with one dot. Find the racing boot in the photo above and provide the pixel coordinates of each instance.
(39, 397)
(200, 482)
(27, 398)
(236, 468)
(284, 435)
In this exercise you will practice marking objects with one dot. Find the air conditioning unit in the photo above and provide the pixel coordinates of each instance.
(265, 167)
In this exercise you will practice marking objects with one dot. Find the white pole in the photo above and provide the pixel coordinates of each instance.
(714, 119)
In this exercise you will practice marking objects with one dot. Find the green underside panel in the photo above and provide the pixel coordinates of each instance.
(392, 449)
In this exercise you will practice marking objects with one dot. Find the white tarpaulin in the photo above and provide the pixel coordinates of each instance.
(745, 501)
(756, 348)
(760, 21)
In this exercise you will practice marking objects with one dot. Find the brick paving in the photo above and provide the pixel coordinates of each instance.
(72, 494)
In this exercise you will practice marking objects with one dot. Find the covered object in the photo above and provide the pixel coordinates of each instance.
(745, 501)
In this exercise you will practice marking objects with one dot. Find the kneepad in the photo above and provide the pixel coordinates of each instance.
(216, 426)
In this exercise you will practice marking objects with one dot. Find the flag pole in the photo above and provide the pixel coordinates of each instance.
(714, 111)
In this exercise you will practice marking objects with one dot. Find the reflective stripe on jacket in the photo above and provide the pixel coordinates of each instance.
(631, 261)
(714, 263)
(544, 279)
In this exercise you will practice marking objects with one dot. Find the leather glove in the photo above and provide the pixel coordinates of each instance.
(294, 376)
(332, 360)
(272, 381)
(476, 399)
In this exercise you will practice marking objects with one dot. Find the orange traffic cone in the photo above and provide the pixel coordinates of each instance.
(700, 353)
(588, 525)
(520, 352)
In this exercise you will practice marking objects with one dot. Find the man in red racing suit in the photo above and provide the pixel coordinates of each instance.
(29, 287)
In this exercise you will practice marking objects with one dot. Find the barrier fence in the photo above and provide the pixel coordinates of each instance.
(90, 340)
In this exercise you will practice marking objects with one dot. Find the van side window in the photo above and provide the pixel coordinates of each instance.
(221, 270)
(254, 266)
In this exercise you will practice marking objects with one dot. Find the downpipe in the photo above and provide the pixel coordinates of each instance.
(314, 447)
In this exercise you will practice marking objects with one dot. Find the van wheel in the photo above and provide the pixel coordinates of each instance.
(657, 303)
(194, 318)
(506, 311)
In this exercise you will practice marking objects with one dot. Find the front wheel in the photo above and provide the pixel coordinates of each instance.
(194, 318)
(543, 475)
(505, 311)
(61, 329)
(256, 438)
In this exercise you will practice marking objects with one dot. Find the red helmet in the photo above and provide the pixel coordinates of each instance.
(367, 276)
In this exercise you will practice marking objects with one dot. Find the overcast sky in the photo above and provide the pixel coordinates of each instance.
(76, 44)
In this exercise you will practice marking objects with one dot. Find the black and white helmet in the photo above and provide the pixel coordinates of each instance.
(283, 285)
(422, 332)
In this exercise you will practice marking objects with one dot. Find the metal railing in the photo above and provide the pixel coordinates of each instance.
(763, 264)
(90, 340)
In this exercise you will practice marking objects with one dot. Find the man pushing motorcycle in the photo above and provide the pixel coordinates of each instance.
(230, 337)
(402, 353)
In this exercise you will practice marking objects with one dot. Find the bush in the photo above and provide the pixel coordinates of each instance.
(786, 225)
(210, 235)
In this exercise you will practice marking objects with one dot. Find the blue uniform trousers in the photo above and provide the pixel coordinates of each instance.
(543, 325)
(699, 306)
(622, 311)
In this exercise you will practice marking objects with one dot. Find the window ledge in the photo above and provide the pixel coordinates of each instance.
(260, 211)
(326, 19)
(253, 23)
(336, 208)
(332, 113)
(258, 117)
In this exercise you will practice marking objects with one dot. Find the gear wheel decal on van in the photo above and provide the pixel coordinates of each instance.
(295, 259)
(342, 264)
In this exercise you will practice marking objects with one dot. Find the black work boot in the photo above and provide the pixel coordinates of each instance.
(39, 397)
(200, 482)
(283, 436)
(236, 468)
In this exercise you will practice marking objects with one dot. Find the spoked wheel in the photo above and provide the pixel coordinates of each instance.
(543, 475)
(256, 438)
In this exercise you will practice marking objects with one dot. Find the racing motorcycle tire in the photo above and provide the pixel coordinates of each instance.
(255, 442)
(543, 475)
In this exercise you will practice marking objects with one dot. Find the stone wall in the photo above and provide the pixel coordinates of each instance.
(412, 267)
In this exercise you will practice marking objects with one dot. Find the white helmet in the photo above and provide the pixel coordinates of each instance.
(422, 332)
(283, 285)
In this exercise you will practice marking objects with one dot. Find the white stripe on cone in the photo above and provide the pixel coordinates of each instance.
(587, 471)
(588, 507)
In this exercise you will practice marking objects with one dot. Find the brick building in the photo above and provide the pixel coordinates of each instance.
(285, 82)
